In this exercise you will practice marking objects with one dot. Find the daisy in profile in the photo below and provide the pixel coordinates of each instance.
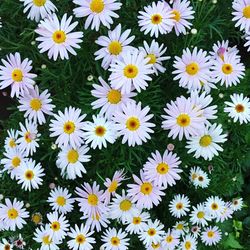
(10, 140)
(162, 170)
(211, 236)
(192, 69)
(188, 243)
(35, 105)
(114, 239)
(60, 200)
(155, 53)
(183, 119)
(201, 180)
(179, 206)
(226, 213)
(239, 108)
(113, 45)
(71, 161)
(109, 99)
(5, 245)
(29, 138)
(181, 228)
(67, 127)
(206, 144)
(156, 19)
(56, 37)
(16, 73)
(170, 240)
(30, 175)
(214, 206)
(12, 214)
(133, 124)
(99, 132)
(144, 193)
(38, 9)
(237, 204)
(194, 172)
(221, 48)
(97, 221)
(199, 216)
(81, 238)
(130, 71)
(97, 12)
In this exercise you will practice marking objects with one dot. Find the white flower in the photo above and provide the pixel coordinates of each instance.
(179, 206)
(199, 215)
(211, 236)
(10, 140)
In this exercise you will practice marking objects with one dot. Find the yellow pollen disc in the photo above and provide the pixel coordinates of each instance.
(146, 188)
(7, 247)
(97, 6)
(100, 131)
(115, 48)
(69, 127)
(227, 68)
(125, 205)
(239, 108)
(46, 240)
(246, 11)
(55, 226)
(210, 234)
(180, 226)
(16, 162)
(194, 176)
(115, 241)
(130, 71)
(152, 58)
(72, 156)
(132, 123)
(169, 239)
(12, 213)
(27, 137)
(29, 175)
(179, 206)
(80, 239)
(36, 218)
(183, 120)
(35, 104)
(156, 19)
(151, 231)
(136, 220)
(61, 201)
(214, 206)
(59, 36)
(114, 96)
(92, 199)
(156, 246)
(113, 186)
(188, 245)
(17, 75)
(192, 68)
(177, 15)
(12, 143)
(39, 3)
(205, 140)
(162, 168)
(200, 215)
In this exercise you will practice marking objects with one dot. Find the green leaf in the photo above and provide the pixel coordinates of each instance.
(232, 243)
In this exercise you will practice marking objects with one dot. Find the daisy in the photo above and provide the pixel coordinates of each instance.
(37, 218)
(56, 37)
(195, 231)
(201, 180)
(110, 100)
(13, 214)
(226, 213)
(188, 243)
(171, 240)
(99, 132)
(199, 215)
(206, 145)
(215, 206)
(237, 204)
(70, 161)
(238, 108)
(113, 45)
(81, 238)
(36, 105)
(29, 138)
(10, 140)
(156, 18)
(67, 127)
(97, 11)
(30, 175)
(179, 206)
(60, 201)
(16, 73)
(211, 236)
(192, 69)
(183, 12)
(5, 245)
(183, 118)
(38, 9)
(133, 124)
(97, 221)
(228, 71)
(152, 233)
(155, 53)
(130, 71)
(181, 228)
(144, 192)
(19, 242)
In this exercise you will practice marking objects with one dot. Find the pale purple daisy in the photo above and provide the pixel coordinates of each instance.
(211, 236)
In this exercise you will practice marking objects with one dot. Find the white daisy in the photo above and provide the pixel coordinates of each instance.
(195, 231)
(199, 215)
(97, 221)
(215, 206)
(237, 204)
(194, 172)
(6, 245)
(180, 228)
(211, 236)
(179, 206)
(226, 213)
(201, 180)
(170, 240)
(10, 140)
(188, 243)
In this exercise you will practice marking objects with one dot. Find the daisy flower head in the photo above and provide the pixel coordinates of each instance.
(97, 221)
(171, 240)
(68, 127)
(192, 69)
(201, 180)
(12, 214)
(155, 53)
(188, 243)
(38, 9)
(70, 161)
(97, 12)
(226, 213)
(144, 193)
(199, 216)
(162, 170)
(81, 238)
(37, 218)
(239, 108)
(214, 206)
(183, 118)
(131, 71)
(109, 99)
(206, 144)
(30, 175)
(10, 140)
(56, 37)
(156, 19)
(113, 45)
(16, 73)
(179, 206)
(237, 204)
(19, 242)
(99, 132)
(211, 236)
(180, 228)
(6, 245)
(60, 200)
(133, 124)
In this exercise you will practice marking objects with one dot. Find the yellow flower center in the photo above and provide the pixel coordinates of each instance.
(92, 199)
(146, 188)
(36, 104)
(46, 240)
(17, 75)
(169, 239)
(239, 108)
(180, 226)
(12, 213)
(6, 247)
(27, 137)
(177, 15)
(179, 206)
(246, 11)
(205, 140)
(16, 162)
(192, 68)
(125, 205)
(59, 36)
(97, 6)
(188, 245)
(130, 71)
(61, 201)
(80, 239)
(136, 220)
(210, 234)
(39, 3)
(55, 226)
(113, 186)
(156, 246)
(114, 96)
(156, 19)
(12, 143)
(183, 120)
(69, 127)
(100, 131)
(227, 68)
(214, 206)
(152, 58)
(29, 175)
(132, 123)
(194, 176)
(36, 218)
(115, 241)
(72, 156)
(200, 215)
(151, 232)
(162, 168)
(115, 48)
